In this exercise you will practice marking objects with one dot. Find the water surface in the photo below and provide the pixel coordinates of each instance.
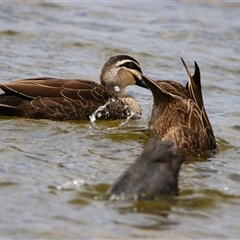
(54, 174)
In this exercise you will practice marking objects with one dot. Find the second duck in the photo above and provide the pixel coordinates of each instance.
(178, 113)
(64, 99)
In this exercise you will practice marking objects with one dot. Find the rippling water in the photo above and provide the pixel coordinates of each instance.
(54, 174)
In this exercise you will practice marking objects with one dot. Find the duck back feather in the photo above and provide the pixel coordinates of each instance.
(178, 113)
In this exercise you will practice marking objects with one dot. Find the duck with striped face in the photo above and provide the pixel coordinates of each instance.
(65, 99)
(118, 73)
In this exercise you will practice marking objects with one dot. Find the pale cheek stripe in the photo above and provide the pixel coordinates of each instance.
(125, 61)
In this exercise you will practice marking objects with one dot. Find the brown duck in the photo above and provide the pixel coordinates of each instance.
(178, 113)
(65, 99)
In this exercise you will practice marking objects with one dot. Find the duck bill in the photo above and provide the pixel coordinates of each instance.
(141, 83)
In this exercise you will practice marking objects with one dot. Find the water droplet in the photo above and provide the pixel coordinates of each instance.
(71, 184)
(97, 112)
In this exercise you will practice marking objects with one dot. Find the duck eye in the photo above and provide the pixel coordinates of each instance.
(130, 65)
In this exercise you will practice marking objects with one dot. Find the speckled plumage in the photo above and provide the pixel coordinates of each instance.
(178, 113)
(64, 99)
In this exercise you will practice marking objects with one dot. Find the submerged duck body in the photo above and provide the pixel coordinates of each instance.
(154, 172)
(178, 113)
(65, 99)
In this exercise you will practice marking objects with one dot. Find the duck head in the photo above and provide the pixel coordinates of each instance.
(121, 71)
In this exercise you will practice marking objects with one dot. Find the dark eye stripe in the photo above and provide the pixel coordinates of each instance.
(131, 65)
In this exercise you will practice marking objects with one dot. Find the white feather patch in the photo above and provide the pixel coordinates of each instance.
(116, 88)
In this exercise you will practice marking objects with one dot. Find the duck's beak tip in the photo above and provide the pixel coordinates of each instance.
(141, 82)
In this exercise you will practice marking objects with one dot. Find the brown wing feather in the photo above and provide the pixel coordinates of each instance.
(156, 90)
(60, 108)
(60, 99)
(173, 88)
(165, 89)
(56, 88)
(35, 87)
(63, 109)
(193, 134)
(194, 86)
(178, 113)
(85, 90)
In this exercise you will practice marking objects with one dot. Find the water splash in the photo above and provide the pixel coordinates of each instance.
(131, 115)
(74, 184)
(97, 112)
